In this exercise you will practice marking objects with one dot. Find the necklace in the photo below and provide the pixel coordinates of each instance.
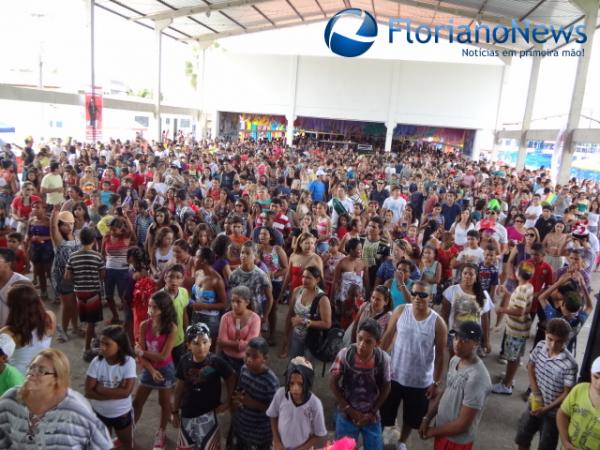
(33, 420)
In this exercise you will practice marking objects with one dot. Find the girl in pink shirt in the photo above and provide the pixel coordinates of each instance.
(237, 327)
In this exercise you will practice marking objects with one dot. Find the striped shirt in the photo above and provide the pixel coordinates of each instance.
(85, 267)
(553, 373)
(250, 425)
(72, 425)
(116, 253)
(521, 297)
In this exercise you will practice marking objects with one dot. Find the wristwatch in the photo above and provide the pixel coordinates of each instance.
(437, 383)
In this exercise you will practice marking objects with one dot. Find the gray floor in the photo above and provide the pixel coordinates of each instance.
(496, 431)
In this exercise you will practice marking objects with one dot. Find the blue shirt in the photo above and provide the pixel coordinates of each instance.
(450, 213)
(317, 190)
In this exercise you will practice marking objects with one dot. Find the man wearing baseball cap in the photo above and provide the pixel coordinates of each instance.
(454, 415)
(578, 418)
(9, 375)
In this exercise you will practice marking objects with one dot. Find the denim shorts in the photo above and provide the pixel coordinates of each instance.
(168, 373)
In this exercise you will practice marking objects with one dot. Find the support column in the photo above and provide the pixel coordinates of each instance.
(214, 131)
(389, 136)
(533, 80)
(590, 7)
(293, 89)
(503, 83)
(159, 26)
(289, 131)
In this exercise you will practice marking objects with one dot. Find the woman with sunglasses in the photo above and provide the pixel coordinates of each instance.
(518, 253)
(34, 415)
(21, 206)
(89, 177)
(416, 339)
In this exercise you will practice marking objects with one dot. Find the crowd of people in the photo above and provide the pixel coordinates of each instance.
(393, 267)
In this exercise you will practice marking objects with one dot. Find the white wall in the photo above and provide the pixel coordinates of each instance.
(426, 93)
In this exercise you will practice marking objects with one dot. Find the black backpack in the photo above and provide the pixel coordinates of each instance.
(324, 345)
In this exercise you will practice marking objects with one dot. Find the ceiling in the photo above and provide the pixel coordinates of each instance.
(208, 20)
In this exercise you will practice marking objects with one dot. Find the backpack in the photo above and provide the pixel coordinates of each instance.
(324, 345)
(142, 291)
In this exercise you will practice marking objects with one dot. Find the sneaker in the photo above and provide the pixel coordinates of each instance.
(499, 388)
(401, 446)
(159, 440)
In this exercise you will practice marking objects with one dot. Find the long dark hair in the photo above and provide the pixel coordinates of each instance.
(118, 334)
(26, 312)
(168, 317)
(477, 288)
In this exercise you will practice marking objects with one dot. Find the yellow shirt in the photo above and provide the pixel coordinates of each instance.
(584, 426)
(52, 181)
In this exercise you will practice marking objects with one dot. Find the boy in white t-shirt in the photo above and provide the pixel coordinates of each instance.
(472, 252)
(297, 418)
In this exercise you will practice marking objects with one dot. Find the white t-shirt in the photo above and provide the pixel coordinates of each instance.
(464, 307)
(4, 292)
(111, 376)
(537, 210)
(53, 181)
(297, 423)
(396, 206)
(460, 233)
(476, 253)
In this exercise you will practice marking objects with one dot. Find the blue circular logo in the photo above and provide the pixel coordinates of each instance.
(351, 32)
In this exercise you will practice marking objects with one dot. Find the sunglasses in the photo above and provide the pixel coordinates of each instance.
(419, 294)
(491, 212)
(530, 235)
(519, 221)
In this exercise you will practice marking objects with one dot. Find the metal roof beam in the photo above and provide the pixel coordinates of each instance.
(192, 10)
(267, 18)
(321, 8)
(455, 12)
(295, 10)
(212, 37)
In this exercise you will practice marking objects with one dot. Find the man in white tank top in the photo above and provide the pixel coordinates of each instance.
(416, 336)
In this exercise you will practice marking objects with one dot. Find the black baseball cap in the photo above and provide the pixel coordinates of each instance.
(469, 330)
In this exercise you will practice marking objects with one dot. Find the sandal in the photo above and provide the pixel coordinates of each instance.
(61, 336)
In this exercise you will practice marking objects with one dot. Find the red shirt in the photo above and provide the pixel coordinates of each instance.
(18, 264)
(542, 278)
(445, 257)
(24, 210)
(114, 183)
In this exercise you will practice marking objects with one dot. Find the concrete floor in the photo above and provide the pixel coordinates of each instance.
(496, 430)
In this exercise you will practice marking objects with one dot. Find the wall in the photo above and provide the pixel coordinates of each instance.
(420, 93)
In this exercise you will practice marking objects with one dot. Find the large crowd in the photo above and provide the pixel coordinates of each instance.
(394, 269)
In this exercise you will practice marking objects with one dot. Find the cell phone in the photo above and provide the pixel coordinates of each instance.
(120, 211)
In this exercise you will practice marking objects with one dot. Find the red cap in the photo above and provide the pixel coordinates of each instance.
(487, 224)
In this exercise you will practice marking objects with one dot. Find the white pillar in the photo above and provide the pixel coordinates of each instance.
(389, 136)
(159, 26)
(289, 131)
(590, 7)
(293, 90)
(533, 80)
(214, 131)
(476, 150)
(503, 83)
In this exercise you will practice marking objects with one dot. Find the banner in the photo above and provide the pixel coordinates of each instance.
(93, 116)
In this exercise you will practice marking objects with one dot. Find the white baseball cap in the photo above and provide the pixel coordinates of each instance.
(7, 345)
(596, 365)
(321, 172)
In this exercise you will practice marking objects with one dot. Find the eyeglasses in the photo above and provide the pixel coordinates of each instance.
(38, 371)
(419, 294)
